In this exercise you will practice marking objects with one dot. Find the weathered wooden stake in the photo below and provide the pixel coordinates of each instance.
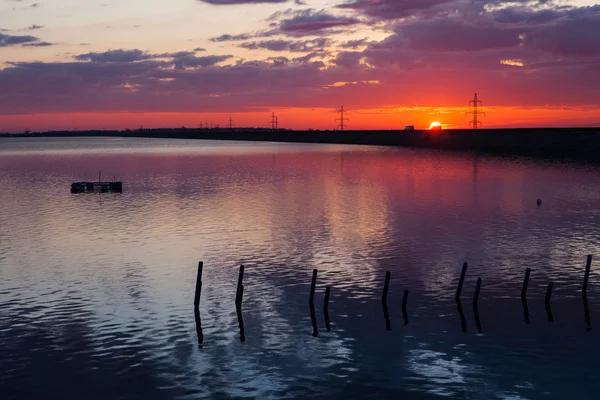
(461, 281)
(326, 308)
(198, 286)
(386, 286)
(312, 286)
(586, 277)
(477, 290)
(549, 292)
(525, 283)
(240, 288)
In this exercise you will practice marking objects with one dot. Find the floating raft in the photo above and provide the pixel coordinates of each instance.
(82, 187)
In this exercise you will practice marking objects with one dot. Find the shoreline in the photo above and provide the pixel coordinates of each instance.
(570, 143)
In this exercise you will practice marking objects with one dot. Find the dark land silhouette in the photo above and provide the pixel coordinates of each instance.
(577, 143)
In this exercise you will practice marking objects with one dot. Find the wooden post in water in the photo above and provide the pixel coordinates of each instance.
(525, 283)
(326, 308)
(240, 288)
(461, 281)
(586, 277)
(198, 286)
(386, 286)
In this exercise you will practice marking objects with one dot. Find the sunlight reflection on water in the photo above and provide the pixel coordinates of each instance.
(97, 289)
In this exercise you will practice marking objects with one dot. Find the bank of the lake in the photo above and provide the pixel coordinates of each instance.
(572, 143)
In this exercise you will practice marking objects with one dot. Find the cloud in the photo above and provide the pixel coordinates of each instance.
(447, 34)
(199, 49)
(235, 2)
(576, 35)
(228, 38)
(310, 21)
(33, 27)
(38, 44)
(13, 40)
(119, 55)
(390, 9)
(288, 45)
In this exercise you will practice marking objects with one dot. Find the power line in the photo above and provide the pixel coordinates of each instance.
(475, 123)
(342, 119)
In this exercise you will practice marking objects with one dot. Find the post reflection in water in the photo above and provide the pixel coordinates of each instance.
(525, 310)
(586, 313)
(313, 318)
(386, 317)
(461, 314)
(240, 319)
(199, 333)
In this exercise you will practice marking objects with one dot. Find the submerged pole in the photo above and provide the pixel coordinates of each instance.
(198, 286)
(461, 281)
(386, 286)
(586, 277)
(525, 283)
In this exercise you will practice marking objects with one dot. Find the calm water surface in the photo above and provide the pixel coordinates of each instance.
(96, 290)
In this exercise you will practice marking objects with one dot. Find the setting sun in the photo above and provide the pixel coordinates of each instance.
(435, 125)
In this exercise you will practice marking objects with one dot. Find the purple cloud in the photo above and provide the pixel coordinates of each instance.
(390, 9)
(310, 21)
(118, 55)
(13, 40)
(446, 34)
(288, 45)
(234, 2)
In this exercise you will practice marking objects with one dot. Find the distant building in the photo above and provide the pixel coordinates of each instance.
(409, 128)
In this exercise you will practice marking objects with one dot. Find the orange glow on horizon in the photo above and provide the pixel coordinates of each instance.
(309, 118)
(435, 125)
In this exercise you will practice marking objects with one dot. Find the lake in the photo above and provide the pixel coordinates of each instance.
(97, 289)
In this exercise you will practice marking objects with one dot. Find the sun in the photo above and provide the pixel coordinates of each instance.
(435, 125)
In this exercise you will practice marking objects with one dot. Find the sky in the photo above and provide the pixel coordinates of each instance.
(72, 64)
